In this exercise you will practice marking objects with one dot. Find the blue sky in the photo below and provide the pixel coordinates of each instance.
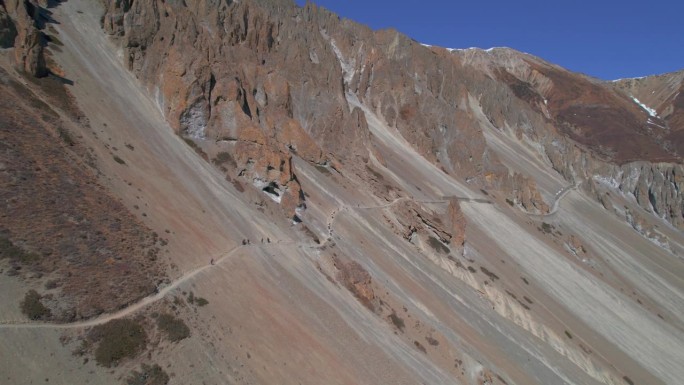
(603, 38)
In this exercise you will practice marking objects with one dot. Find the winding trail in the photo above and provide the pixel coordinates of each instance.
(104, 318)
(562, 193)
(144, 302)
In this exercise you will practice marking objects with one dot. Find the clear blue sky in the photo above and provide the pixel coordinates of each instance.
(607, 39)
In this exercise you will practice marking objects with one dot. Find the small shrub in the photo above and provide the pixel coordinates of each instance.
(119, 160)
(432, 341)
(198, 150)
(437, 245)
(547, 228)
(322, 169)
(174, 328)
(397, 321)
(65, 136)
(375, 174)
(420, 346)
(118, 339)
(33, 308)
(489, 274)
(148, 375)
(225, 157)
(628, 380)
(510, 202)
(11, 251)
(199, 301)
(567, 333)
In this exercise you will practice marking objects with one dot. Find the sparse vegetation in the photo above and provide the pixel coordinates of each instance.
(13, 252)
(322, 169)
(225, 157)
(489, 274)
(199, 301)
(431, 341)
(148, 375)
(65, 136)
(33, 308)
(510, 202)
(397, 321)
(119, 160)
(118, 339)
(174, 328)
(628, 380)
(375, 174)
(438, 246)
(547, 228)
(567, 333)
(420, 346)
(196, 148)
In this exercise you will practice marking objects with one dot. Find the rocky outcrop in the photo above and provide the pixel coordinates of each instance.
(656, 187)
(8, 32)
(220, 69)
(457, 223)
(22, 19)
(263, 80)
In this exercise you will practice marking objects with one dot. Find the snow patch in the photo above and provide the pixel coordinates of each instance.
(648, 109)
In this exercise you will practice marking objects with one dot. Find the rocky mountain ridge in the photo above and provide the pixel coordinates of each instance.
(291, 69)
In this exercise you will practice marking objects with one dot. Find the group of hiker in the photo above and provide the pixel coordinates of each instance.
(245, 242)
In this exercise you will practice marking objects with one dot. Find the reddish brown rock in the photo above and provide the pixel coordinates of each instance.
(457, 223)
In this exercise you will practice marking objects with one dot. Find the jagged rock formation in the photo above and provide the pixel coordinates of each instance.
(294, 94)
(586, 129)
(22, 18)
(8, 32)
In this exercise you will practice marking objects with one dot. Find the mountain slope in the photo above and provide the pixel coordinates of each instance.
(358, 208)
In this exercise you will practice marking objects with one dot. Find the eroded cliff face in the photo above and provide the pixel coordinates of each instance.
(20, 23)
(263, 80)
(586, 130)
